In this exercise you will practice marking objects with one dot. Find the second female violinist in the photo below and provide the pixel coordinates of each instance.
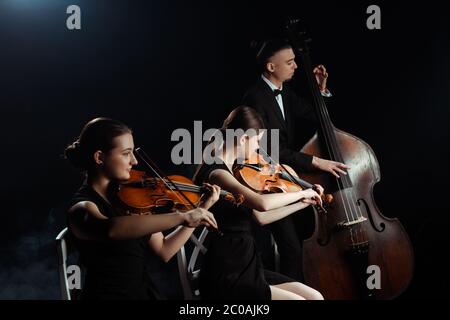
(232, 268)
(112, 245)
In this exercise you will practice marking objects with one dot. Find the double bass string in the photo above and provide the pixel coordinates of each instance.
(326, 136)
(352, 203)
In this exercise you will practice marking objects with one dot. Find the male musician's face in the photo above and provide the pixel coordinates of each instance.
(282, 65)
(118, 162)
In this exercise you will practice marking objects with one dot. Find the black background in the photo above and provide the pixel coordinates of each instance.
(160, 65)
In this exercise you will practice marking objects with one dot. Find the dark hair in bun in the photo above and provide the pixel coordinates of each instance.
(97, 134)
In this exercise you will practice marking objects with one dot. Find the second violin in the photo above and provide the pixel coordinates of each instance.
(264, 177)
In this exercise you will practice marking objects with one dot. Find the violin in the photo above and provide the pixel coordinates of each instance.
(142, 194)
(264, 177)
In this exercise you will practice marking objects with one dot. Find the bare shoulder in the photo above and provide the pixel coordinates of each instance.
(218, 175)
(86, 208)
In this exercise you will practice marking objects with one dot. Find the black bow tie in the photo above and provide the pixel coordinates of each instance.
(277, 92)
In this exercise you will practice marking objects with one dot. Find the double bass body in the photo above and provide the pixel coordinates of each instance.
(378, 262)
(355, 252)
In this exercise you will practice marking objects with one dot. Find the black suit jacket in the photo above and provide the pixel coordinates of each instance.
(262, 99)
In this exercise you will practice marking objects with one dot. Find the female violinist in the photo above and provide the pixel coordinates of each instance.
(112, 245)
(232, 268)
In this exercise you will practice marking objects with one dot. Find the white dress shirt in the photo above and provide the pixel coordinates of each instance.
(279, 98)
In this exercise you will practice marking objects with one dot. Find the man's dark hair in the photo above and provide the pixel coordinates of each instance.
(267, 49)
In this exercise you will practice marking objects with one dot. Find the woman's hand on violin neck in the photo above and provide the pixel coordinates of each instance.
(311, 197)
(197, 217)
(210, 197)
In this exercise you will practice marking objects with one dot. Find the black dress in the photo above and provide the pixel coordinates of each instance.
(232, 267)
(115, 269)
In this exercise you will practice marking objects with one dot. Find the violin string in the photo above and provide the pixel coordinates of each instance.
(285, 174)
(194, 188)
(191, 187)
(251, 166)
(143, 156)
(289, 176)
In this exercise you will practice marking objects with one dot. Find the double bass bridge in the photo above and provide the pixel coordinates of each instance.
(347, 224)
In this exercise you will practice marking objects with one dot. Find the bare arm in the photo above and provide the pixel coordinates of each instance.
(87, 222)
(167, 247)
(266, 217)
(253, 200)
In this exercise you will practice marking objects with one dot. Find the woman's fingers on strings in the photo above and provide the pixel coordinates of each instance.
(319, 200)
(209, 188)
(216, 188)
(319, 188)
(213, 189)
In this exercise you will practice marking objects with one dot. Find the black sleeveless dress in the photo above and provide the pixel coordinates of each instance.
(115, 269)
(232, 267)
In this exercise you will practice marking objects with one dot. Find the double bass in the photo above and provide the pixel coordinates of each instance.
(354, 252)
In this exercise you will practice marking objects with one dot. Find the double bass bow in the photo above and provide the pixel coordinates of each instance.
(355, 252)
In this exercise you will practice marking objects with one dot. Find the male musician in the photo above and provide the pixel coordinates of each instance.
(282, 109)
